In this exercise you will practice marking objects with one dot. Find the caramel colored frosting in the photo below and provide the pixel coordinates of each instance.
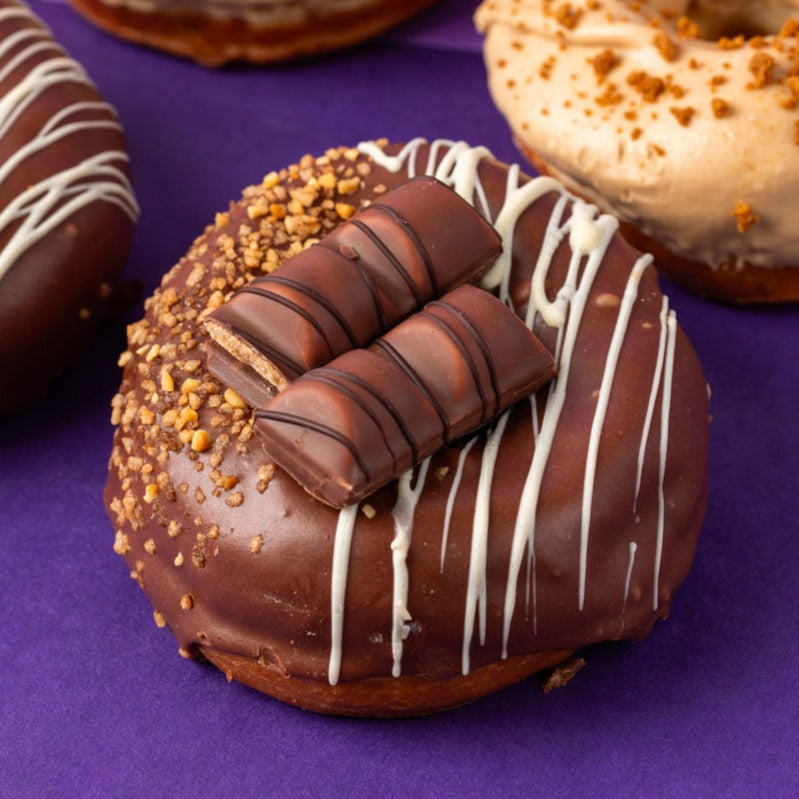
(686, 127)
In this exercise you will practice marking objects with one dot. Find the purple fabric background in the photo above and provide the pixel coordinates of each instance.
(96, 702)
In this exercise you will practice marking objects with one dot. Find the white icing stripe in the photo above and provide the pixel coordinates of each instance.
(403, 512)
(52, 201)
(653, 392)
(338, 587)
(531, 582)
(524, 530)
(611, 361)
(517, 200)
(453, 492)
(456, 164)
(665, 408)
(631, 560)
(476, 584)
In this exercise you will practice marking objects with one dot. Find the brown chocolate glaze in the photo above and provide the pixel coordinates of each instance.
(212, 39)
(346, 429)
(56, 282)
(238, 560)
(354, 285)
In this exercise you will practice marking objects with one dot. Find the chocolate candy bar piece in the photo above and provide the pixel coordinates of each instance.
(345, 429)
(418, 242)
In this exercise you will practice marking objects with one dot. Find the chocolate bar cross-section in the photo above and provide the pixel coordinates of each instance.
(416, 243)
(347, 428)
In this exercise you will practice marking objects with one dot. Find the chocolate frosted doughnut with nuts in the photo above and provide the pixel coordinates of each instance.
(681, 118)
(570, 519)
(213, 32)
(66, 206)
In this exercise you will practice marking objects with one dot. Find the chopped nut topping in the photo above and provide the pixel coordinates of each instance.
(174, 529)
(256, 543)
(187, 602)
(345, 210)
(348, 185)
(234, 500)
(200, 441)
(121, 543)
(368, 511)
(233, 399)
(160, 621)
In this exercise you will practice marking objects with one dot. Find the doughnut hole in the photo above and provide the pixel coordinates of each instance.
(747, 18)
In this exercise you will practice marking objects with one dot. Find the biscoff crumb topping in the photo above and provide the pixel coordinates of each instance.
(761, 65)
(683, 115)
(566, 15)
(744, 216)
(665, 46)
(604, 62)
(720, 108)
(648, 86)
(168, 403)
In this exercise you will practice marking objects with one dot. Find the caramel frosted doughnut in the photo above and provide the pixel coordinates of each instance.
(570, 520)
(66, 206)
(681, 118)
(213, 32)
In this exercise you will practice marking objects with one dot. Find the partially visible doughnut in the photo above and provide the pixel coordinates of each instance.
(681, 118)
(66, 206)
(570, 521)
(213, 32)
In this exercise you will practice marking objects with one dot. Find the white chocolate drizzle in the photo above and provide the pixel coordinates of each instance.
(589, 235)
(338, 588)
(665, 409)
(631, 550)
(653, 392)
(476, 584)
(100, 178)
(619, 332)
(403, 513)
(453, 492)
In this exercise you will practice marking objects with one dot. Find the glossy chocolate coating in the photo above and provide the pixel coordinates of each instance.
(414, 243)
(236, 558)
(348, 428)
(56, 280)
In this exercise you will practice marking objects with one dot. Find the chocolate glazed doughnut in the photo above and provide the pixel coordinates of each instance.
(213, 32)
(569, 520)
(66, 206)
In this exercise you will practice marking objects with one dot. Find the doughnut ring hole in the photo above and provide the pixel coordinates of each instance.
(731, 18)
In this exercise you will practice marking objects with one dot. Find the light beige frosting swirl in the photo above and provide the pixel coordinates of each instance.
(692, 137)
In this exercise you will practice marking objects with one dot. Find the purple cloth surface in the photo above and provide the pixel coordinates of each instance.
(96, 702)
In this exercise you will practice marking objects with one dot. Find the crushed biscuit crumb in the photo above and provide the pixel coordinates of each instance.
(744, 216)
(683, 115)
